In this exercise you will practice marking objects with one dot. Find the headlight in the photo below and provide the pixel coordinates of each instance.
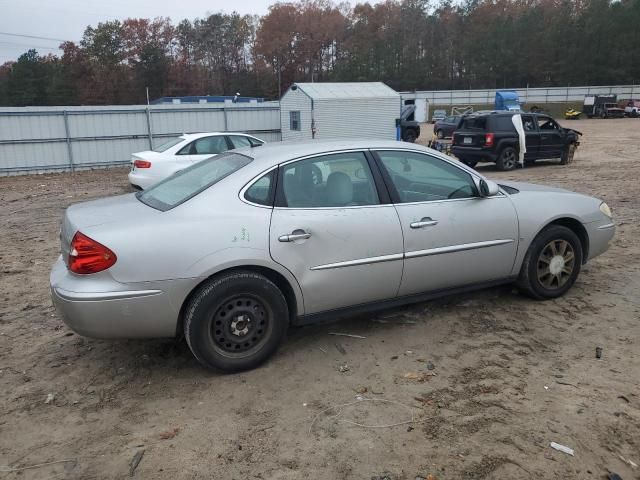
(604, 208)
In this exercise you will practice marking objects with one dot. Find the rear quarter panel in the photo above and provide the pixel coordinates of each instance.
(213, 231)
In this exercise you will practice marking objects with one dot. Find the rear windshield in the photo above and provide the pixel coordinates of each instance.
(167, 145)
(188, 183)
(473, 123)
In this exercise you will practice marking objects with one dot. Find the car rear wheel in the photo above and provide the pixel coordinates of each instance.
(568, 154)
(410, 136)
(470, 163)
(552, 263)
(236, 321)
(508, 159)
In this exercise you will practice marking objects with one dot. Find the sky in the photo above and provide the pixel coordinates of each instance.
(67, 19)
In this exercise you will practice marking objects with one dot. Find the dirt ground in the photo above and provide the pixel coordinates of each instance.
(500, 376)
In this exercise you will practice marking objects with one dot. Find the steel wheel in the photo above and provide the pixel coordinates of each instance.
(555, 264)
(240, 325)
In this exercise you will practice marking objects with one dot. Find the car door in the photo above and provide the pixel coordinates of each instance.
(532, 137)
(335, 229)
(551, 137)
(201, 149)
(452, 237)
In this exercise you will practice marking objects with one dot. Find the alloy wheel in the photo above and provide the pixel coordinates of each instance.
(509, 159)
(556, 263)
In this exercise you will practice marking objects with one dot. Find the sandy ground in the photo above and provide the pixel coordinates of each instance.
(508, 375)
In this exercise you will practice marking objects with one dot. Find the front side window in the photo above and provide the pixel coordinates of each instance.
(423, 178)
(527, 123)
(546, 123)
(294, 120)
(206, 146)
(338, 180)
(187, 183)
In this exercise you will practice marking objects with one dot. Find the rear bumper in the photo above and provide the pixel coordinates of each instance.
(141, 180)
(112, 312)
(474, 153)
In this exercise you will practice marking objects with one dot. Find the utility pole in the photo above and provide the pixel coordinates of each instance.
(279, 81)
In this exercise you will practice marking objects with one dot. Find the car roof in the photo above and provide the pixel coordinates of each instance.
(271, 154)
(194, 136)
(496, 113)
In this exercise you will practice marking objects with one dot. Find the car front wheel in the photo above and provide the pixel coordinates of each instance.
(568, 154)
(236, 321)
(552, 263)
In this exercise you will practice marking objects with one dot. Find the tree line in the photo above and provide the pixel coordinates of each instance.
(408, 44)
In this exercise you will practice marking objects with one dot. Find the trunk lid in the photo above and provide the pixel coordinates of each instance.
(81, 216)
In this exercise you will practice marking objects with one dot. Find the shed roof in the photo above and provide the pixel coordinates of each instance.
(330, 90)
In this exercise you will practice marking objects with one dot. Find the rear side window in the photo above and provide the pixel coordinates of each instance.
(238, 141)
(336, 180)
(206, 146)
(168, 144)
(261, 191)
(473, 123)
(188, 183)
(503, 123)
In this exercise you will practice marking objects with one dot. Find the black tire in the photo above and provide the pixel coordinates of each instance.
(410, 136)
(568, 154)
(534, 279)
(236, 321)
(508, 159)
(470, 163)
(440, 134)
(603, 115)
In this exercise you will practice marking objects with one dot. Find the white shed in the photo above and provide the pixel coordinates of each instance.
(339, 110)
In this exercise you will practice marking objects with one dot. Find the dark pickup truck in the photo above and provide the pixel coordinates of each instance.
(492, 137)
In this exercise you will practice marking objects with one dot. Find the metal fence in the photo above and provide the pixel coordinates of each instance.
(40, 139)
(527, 95)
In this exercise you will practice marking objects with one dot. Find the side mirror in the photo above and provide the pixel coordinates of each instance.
(487, 188)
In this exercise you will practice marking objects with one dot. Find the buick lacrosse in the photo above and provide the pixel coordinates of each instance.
(231, 251)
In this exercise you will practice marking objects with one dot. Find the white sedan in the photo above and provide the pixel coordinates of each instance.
(148, 168)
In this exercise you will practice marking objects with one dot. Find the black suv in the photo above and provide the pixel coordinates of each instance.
(409, 128)
(492, 137)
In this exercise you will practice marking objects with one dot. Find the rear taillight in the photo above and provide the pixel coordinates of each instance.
(488, 139)
(141, 164)
(88, 256)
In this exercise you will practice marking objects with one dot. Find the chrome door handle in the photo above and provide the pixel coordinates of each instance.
(293, 236)
(425, 222)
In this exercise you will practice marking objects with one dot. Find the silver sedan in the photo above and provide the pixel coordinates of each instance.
(233, 250)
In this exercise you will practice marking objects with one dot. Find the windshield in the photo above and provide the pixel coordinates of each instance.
(188, 183)
(167, 145)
